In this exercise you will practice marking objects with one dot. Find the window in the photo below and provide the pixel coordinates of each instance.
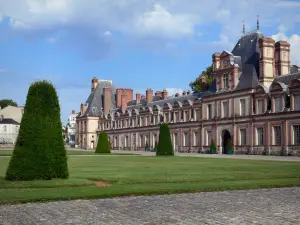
(242, 136)
(278, 105)
(296, 134)
(243, 107)
(142, 122)
(186, 117)
(196, 139)
(260, 136)
(126, 141)
(175, 117)
(225, 109)
(4, 128)
(260, 109)
(185, 139)
(196, 114)
(208, 138)
(297, 102)
(209, 111)
(276, 135)
(225, 81)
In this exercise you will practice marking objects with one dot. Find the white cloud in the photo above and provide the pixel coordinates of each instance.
(173, 91)
(294, 41)
(138, 21)
(53, 40)
(3, 70)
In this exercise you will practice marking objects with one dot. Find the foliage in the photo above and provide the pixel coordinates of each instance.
(164, 142)
(229, 147)
(196, 86)
(6, 102)
(212, 149)
(156, 145)
(103, 145)
(39, 152)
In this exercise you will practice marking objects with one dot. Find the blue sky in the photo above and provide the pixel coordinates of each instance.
(137, 44)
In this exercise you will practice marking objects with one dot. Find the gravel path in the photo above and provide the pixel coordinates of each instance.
(261, 206)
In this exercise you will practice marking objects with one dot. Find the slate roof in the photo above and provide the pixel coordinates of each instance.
(8, 121)
(287, 78)
(96, 99)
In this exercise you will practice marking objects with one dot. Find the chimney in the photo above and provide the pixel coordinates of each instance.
(94, 83)
(164, 94)
(149, 95)
(138, 98)
(73, 111)
(123, 103)
(203, 83)
(282, 58)
(107, 99)
(216, 60)
(294, 69)
(158, 93)
(83, 108)
(119, 92)
(266, 61)
(183, 93)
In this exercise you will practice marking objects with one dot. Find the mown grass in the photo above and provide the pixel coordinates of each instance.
(69, 152)
(138, 175)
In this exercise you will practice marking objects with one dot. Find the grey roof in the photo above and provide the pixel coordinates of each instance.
(8, 121)
(161, 103)
(247, 48)
(287, 78)
(96, 99)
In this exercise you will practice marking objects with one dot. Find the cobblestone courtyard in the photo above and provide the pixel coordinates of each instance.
(264, 206)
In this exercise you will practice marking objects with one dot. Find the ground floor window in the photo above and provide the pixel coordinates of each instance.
(260, 136)
(242, 136)
(296, 129)
(185, 139)
(196, 139)
(208, 137)
(276, 135)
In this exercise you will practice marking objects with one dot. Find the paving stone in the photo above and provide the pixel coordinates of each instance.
(261, 206)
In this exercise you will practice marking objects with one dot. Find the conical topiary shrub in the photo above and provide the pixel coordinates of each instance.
(212, 149)
(164, 142)
(229, 148)
(39, 152)
(103, 143)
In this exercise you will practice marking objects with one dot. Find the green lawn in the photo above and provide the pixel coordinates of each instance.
(69, 152)
(137, 175)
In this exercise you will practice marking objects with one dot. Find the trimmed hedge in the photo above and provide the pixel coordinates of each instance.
(39, 152)
(103, 145)
(212, 149)
(164, 142)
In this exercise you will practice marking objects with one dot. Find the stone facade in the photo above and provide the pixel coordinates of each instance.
(253, 102)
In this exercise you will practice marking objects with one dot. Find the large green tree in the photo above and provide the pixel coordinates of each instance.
(164, 142)
(196, 85)
(6, 102)
(103, 145)
(39, 152)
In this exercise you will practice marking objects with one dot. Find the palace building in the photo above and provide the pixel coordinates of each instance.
(253, 101)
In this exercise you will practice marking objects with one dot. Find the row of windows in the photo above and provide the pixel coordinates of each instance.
(5, 128)
(260, 138)
(182, 116)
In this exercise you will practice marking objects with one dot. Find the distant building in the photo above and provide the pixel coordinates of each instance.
(252, 104)
(10, 119)
(71, 128)
(9, 130)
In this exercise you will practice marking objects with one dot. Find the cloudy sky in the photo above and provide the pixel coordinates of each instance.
(136, 43)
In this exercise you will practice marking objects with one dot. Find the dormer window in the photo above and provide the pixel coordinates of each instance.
(297, 102)
(225, 81)
(278, 105)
